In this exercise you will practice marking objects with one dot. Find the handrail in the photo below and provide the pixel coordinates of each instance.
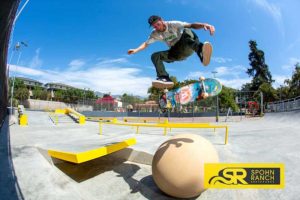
(167, 125)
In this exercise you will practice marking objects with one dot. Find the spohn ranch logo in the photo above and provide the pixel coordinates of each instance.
(244, 175)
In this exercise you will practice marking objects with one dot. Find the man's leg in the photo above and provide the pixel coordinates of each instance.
(158, 58)
(203, 50)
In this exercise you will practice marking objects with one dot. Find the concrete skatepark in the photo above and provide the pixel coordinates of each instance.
(30, 173)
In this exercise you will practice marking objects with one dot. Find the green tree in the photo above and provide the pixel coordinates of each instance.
(89, 94)
(294, 83)
(283, 92)
(18, 84)
(21, 94)
(227, 99)
(259, 70)
(20, 91)
(269, 93)
(37, 92)
(58, 95)
(130, 100)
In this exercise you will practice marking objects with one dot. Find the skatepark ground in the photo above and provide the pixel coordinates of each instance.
(28, 172)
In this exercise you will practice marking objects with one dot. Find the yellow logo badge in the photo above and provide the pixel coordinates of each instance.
(244, 175)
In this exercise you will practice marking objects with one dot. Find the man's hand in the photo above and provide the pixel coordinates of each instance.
(141, 47)
(211, 28)
(131, 51)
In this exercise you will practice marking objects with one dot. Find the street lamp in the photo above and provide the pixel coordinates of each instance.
(17, 48)
(217, 99)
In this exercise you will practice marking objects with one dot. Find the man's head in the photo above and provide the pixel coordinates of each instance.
(156, 22)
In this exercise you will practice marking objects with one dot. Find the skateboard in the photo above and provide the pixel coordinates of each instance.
(190, 93)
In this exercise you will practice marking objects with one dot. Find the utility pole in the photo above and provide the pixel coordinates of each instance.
(217, 99)
(18, 49)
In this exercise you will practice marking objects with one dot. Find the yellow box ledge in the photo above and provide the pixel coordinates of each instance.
(91, 154)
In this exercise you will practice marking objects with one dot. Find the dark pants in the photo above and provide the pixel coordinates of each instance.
(184, 48)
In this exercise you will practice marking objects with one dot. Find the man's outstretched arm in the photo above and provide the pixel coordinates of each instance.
(205, 26)
(141, 47)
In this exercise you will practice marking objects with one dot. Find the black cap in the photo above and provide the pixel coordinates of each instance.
(152, 19)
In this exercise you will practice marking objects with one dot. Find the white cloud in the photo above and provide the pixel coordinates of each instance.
(36, 61)
(287, 72)
(114, 79)
(235, 83)
(234, 71)
(289, 68)
(221, 59)
(279, 80)
(229, 76)
(273, 10)
(106, 61)
(25, 71)
(76, 64)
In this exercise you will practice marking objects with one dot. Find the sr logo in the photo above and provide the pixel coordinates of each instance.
(230, 176)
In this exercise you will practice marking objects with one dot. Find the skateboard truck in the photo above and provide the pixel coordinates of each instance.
(203, 94)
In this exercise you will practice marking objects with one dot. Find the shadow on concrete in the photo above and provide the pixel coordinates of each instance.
(84, 171)
(87, 170)
(146, 186)
(9, 187)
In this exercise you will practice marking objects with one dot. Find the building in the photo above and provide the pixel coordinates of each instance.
(30, 84)
(58, 86)
(50, 87)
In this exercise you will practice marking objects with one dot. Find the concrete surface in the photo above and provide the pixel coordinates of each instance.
(29, 173)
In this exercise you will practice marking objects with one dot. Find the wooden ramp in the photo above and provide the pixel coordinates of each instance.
(91, 154)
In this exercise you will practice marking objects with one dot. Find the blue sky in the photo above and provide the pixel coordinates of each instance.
(85, 43)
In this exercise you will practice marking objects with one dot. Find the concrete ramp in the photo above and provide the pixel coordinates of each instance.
(292, 117)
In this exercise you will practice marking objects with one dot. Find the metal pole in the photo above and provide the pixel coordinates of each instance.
(217, 100)
(13, 26)
(14, 78)
(217, 110)
(261, 103)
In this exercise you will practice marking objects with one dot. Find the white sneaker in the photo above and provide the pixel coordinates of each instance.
(206, 53)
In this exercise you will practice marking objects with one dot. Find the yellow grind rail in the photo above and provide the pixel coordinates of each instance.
(70, 111)
(100, 118)
(91, 154)
(144, 119)
(167, 125)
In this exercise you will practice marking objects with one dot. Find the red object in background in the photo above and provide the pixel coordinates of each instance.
(106, 99)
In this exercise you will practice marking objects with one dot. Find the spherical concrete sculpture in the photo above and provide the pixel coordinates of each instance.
(178, 165)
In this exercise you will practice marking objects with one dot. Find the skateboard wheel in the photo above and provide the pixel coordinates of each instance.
(202, 78)
(205, 95)
(166, 90)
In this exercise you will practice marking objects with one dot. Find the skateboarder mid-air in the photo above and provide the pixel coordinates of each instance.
(182, 42)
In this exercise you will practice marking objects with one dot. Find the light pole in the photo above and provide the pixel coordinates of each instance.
(217, 99)
(17, 48)
(84, 95)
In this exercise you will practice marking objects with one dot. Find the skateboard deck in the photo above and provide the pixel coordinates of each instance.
(192, 92)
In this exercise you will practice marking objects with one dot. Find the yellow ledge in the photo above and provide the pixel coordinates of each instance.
(91, 154)
(81, 118)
